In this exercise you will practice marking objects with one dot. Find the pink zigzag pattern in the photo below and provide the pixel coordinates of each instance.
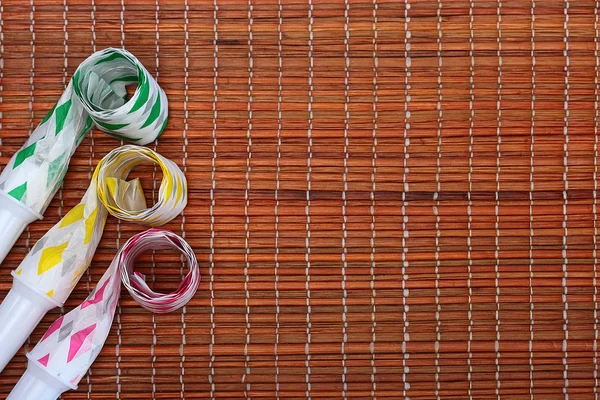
(53, 328)
(81, 342)
(98, 296)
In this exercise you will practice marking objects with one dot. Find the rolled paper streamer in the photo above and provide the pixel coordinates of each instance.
(65, 353)
(48, 274)
(95, 96)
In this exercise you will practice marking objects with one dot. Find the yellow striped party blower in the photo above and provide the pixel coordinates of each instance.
(97, 96)
(55, 264)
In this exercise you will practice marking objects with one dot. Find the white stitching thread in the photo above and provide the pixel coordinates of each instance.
(437, 202)
(345, 200)
(566, 202)
(277, 187)
(213, 204)
(122, 15)
(93, 26)
(469, 198)
(497, 195)
(308, 202)
(531, 188)
(405, 232)
(595, 203)
(247, 370)
(32, 69)
(373, 205)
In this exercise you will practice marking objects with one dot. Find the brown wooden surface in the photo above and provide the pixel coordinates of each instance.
(388, 199)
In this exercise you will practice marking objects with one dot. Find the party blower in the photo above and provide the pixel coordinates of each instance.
(65, 353)
(55, 264)
(97, 96)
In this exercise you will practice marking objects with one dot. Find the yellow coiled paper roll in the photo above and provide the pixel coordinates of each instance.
(127, 202)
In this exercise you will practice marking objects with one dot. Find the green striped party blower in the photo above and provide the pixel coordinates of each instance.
(95, 96)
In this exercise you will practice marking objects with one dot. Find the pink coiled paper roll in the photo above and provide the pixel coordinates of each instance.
(65, 353)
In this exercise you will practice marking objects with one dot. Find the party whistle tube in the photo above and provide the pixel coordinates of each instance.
(50, 271)
(96, 95)
(70, 346)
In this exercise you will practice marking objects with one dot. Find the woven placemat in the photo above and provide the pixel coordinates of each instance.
(388, 199)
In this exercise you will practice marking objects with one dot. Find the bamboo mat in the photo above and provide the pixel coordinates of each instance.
(389, 199)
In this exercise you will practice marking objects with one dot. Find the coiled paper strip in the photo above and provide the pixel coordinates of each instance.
(96, 95)
(73, 341)
(57, 261)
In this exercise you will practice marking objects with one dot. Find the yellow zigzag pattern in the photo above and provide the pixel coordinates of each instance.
(51, 257)
(89, 226)
(77, 214)
(73, 216)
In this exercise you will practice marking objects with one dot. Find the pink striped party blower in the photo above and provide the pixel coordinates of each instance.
(65, 353)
